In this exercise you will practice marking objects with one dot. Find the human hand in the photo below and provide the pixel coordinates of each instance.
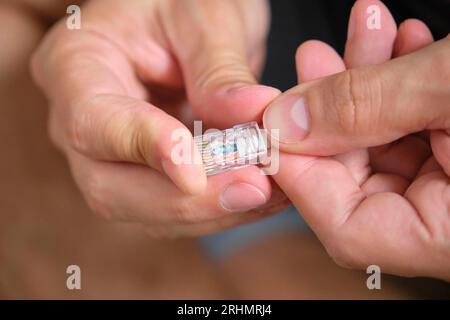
(386, 205)
(117, 89)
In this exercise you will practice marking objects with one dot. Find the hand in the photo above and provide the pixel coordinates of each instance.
(386, 205)
(117, 90)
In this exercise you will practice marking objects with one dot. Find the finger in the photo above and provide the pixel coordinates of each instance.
(303, 174)
(406, 156)
(430, 165)
(315, 60)
(440, 144)
(412, 35)
(101, 117)
(307, 181)
(385, 182)
(277, 203)
(318, 186)
(116, 128)
(348, 220)
(216, 63)
(362, 107)
(136, 194)
(374, 45)
(366, 46)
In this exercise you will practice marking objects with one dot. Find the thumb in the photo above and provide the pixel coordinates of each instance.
(366, 106)
(122, 129)
(219, 64)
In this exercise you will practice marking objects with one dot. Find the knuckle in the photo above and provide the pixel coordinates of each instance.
(220, 66)
(130, 133)
(139, 143)
(347, 105)
(120, 134)
(133, 141)
(357, 101)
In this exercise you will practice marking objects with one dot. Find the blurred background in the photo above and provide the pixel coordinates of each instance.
(45, 225)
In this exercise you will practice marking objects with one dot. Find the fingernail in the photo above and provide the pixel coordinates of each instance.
(289, 114)
(241, 197)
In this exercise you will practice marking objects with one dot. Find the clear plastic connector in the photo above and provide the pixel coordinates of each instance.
(232, 148)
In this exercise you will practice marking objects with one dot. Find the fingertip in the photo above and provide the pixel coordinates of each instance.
(315, 59)
(371, 34)
(416, 28)
(413, 35)
(167, 145)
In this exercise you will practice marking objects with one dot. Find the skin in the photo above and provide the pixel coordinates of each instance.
(378, 193)
(367, 205)
(113, 118)
(45, 225)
